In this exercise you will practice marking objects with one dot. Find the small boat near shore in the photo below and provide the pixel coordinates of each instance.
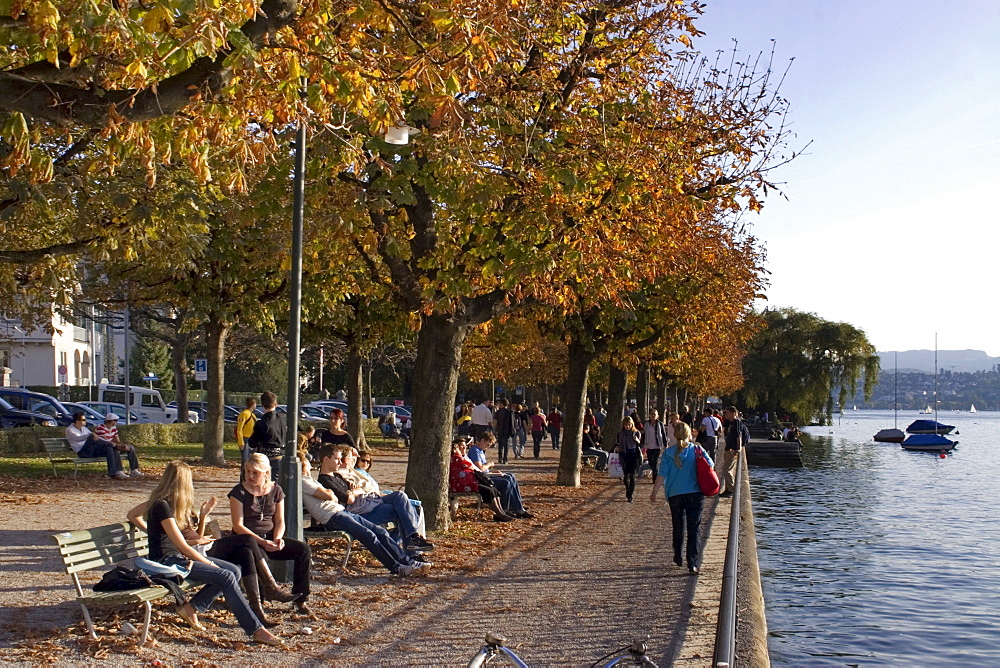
(928, 443)
(929, 427)
(890, 436)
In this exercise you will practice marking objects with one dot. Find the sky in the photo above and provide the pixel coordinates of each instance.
(891, 220)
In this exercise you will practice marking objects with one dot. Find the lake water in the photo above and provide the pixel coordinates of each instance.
(871, 555)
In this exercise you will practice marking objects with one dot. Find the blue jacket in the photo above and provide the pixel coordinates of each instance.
(683, 480)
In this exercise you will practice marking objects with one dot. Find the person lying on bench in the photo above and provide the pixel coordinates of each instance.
(322, 505)
(86, 444)
(359, 496)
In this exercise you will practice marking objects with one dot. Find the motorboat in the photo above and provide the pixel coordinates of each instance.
(929, 427)
(928, 443)
(890, 436)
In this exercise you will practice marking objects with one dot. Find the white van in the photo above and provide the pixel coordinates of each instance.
(144, 401)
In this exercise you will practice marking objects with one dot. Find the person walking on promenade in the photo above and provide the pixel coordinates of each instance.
(505, 425)
(268, 437)
(654, 438)
(737, 435)
(708, 432)
(522, 421)
(482, 418)
(537, 430)
(554, 420)
(630, 454)
(679, 471)
(245, 422)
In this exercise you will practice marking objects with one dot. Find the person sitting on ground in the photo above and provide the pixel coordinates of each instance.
(322, 505)
(257, 509)
(463, 476)
(359, 496)
(589, 448)
(86, 444)
(506, 483)
(170, 510)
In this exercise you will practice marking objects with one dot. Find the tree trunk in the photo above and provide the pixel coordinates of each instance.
(435, 384)
(354, 385)
(575, 394)
(178, 362)
(642, 401)
(661, 396)
(215, 339)
(617, 385)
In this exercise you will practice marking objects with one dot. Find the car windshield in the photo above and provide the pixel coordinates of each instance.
(86, 410)
(4, 405)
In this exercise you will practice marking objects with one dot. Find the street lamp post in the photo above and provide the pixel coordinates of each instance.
(290, 472)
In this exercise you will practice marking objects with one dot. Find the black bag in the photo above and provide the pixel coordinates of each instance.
(122, 578)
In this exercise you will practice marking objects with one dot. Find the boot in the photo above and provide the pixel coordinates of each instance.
(269, 588)
(252, 589)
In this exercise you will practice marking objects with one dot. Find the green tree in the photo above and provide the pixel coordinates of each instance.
(150, 356)
(801, 365)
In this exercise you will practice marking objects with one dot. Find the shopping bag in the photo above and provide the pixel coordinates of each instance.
(615, 466)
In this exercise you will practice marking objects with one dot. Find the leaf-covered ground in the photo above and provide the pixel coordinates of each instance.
(588, 574)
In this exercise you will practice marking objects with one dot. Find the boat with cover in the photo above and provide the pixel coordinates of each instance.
(890, 436)
(929, 427)
(928, 443)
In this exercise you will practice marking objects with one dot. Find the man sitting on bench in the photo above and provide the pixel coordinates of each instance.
(86, 445)
(363, 498)
(506, 483)
(322, 504)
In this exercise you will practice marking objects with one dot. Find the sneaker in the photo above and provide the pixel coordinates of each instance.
(120, 475)
(423, 569)
(406, 570)
(417, 543)
(416, 556)
(135, 473)
(693, 570)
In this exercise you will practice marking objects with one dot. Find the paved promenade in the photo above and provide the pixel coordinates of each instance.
(590, 573)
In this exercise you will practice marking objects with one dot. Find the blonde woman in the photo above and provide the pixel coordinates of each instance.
(165, 516)
(630, 454)
(679, 470)
(257, 509)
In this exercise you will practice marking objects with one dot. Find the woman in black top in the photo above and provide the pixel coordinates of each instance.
(165, 516)
(257, 508)
(336, 434)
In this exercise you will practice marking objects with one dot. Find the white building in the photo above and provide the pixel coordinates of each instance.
(71, 355)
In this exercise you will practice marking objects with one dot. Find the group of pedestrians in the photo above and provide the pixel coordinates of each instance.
(510, 423)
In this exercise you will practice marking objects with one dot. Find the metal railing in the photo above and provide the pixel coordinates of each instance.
(725, 634)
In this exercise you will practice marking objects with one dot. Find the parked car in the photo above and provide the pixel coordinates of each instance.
(105, 407)
(317, 421)
(402, 413)
(93, 417)
(144, 401)
(36, 402)
(199, 408)
(327, 405)
(11, 417)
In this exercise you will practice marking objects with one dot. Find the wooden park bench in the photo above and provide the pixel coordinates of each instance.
(317, 532)
(104, 546)
(453, 498)
(59, 452)
(588, 460)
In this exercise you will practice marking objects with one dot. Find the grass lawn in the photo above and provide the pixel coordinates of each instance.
(149, 456)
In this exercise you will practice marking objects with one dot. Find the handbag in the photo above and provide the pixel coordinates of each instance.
(708, 479)
(615, 466)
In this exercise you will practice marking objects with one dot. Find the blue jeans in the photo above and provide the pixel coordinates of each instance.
(395, 507)
(98, 447)
(510, 492)
(224, 580)
(602, 457)
(520, 440)
(372, 536)
(686, 509)
(554, 433)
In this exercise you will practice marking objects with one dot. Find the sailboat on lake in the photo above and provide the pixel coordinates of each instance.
(894, 435)
(928, 435)
(973, 409)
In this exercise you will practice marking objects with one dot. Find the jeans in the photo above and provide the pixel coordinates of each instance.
(372, 536)
(224, 580)
(504, 446)
(395, 507)
(519, 441)
(97, 447)
(510, 492)
(602, 457)
(537, 437)
(653, 454)
(554, 433)
(686, 508)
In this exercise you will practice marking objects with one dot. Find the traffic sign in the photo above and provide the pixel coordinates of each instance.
(62, 370)
(201, 369)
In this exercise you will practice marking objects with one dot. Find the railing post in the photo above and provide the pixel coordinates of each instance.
(725, 635)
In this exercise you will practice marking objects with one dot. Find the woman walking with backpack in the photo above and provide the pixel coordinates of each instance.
(679, 470)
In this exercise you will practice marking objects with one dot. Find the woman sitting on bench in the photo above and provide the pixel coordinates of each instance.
(465, 477)
(170, 510)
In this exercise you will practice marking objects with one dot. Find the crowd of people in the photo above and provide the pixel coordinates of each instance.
(344, 496)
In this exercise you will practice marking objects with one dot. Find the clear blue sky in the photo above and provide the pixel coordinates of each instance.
(893, 212)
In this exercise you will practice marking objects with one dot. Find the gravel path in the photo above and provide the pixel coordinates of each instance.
(589, 574)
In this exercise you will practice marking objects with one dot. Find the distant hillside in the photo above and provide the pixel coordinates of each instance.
(958, 361)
